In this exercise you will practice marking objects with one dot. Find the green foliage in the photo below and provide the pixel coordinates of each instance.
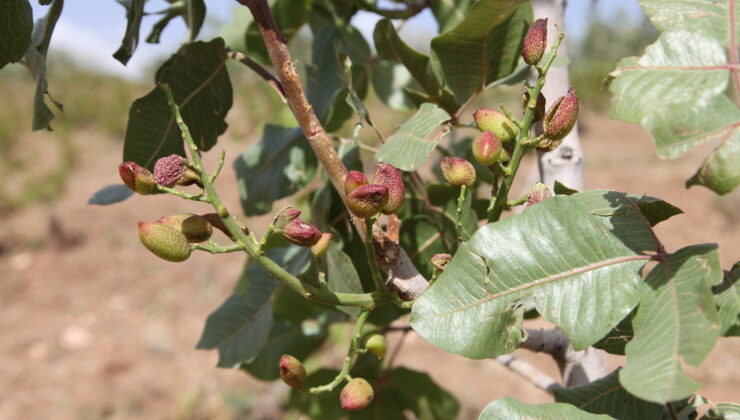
(509, 408)
(484, 47)
(200, 85)
(409, 148)
(728, 300)
(606, 396)
(549, 252)
(677, 320)
(36, 62)
(690, 59)
(241, 327)
(284, 157)
(15, 30)
(134, 14)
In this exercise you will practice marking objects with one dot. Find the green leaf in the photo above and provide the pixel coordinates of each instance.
(689, 66)
(110, 194)
(606, 396)
(239, 329)
(290, 306)
(134, 13)
(409, 148)
(616, 340)
(341, 275)
(410, 391)
(562, 189)
(196, 15)
(511, 409)
(727, 296)
(389, 80)
(322, 406)
(391, 47)
(582, 278)
(290, 15)
(484, 47)
(720, 171)
(450, 12)
(200, 85)
(678, 128)
(193, 13)
(15, 30)
(297, 340)
(628, 216)
(676, 320)
(282, 156)
(325, 90)
(723, 411)
(36, 61)
(708, 17)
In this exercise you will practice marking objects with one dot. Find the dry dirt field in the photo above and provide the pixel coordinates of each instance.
(93, 326)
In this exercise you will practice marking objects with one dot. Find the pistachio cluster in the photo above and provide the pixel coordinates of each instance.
(384, 195)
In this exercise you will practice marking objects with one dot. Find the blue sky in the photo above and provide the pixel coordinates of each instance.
(90, 31)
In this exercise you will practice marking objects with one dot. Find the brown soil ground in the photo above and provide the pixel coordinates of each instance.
(93, 326)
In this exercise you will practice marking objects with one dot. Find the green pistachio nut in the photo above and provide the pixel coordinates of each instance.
(356, 395)
(458, 171)
(137, 178)
(164, 241)
(292, 371)
(488, 119)
(195, 228)
(377, 345)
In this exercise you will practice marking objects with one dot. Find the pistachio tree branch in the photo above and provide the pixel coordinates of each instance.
(404, 277)
(576, 367)
(251, 247)
(260, 70)
(528, 371)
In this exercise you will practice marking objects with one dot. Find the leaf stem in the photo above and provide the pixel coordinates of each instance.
(306, 290)
(215, 249)
(354, 348)
(502, 197)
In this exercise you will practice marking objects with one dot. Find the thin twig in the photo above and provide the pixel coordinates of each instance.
(259, 69)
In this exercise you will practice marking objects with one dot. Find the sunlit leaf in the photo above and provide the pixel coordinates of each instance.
(511, 409)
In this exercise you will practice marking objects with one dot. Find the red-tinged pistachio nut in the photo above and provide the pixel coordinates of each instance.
(169, 169)
(390, 177)
(488, 119)
(458, 171)
(368, 200)
(487, 148)
(539, 108)
(538, 193)
(322, 245)
(290, 214)
(356, 395)
(301, 233)
(164, 241)
(292, 371)
(219, 224)
(562, 116)
(195, 228)
(137, 178)
(440, 261)
(535, 42)
(353, 180)
(377, 345)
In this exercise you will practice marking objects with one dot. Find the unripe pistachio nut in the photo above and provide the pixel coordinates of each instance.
(390, 177)
(562, 116)
(539, 108)
(487, 148)
(377, 345)
(488, 119)
(458, 171)
(440, 261)
(195, 228)
(169, 169)
(535, 42)
(368, 200)
(356, 395)
(353, 180)
(301, 233)
(219, 224)
(137, 178)
(322, 245)
(164, 241)
(292, 371)
(538, 193)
